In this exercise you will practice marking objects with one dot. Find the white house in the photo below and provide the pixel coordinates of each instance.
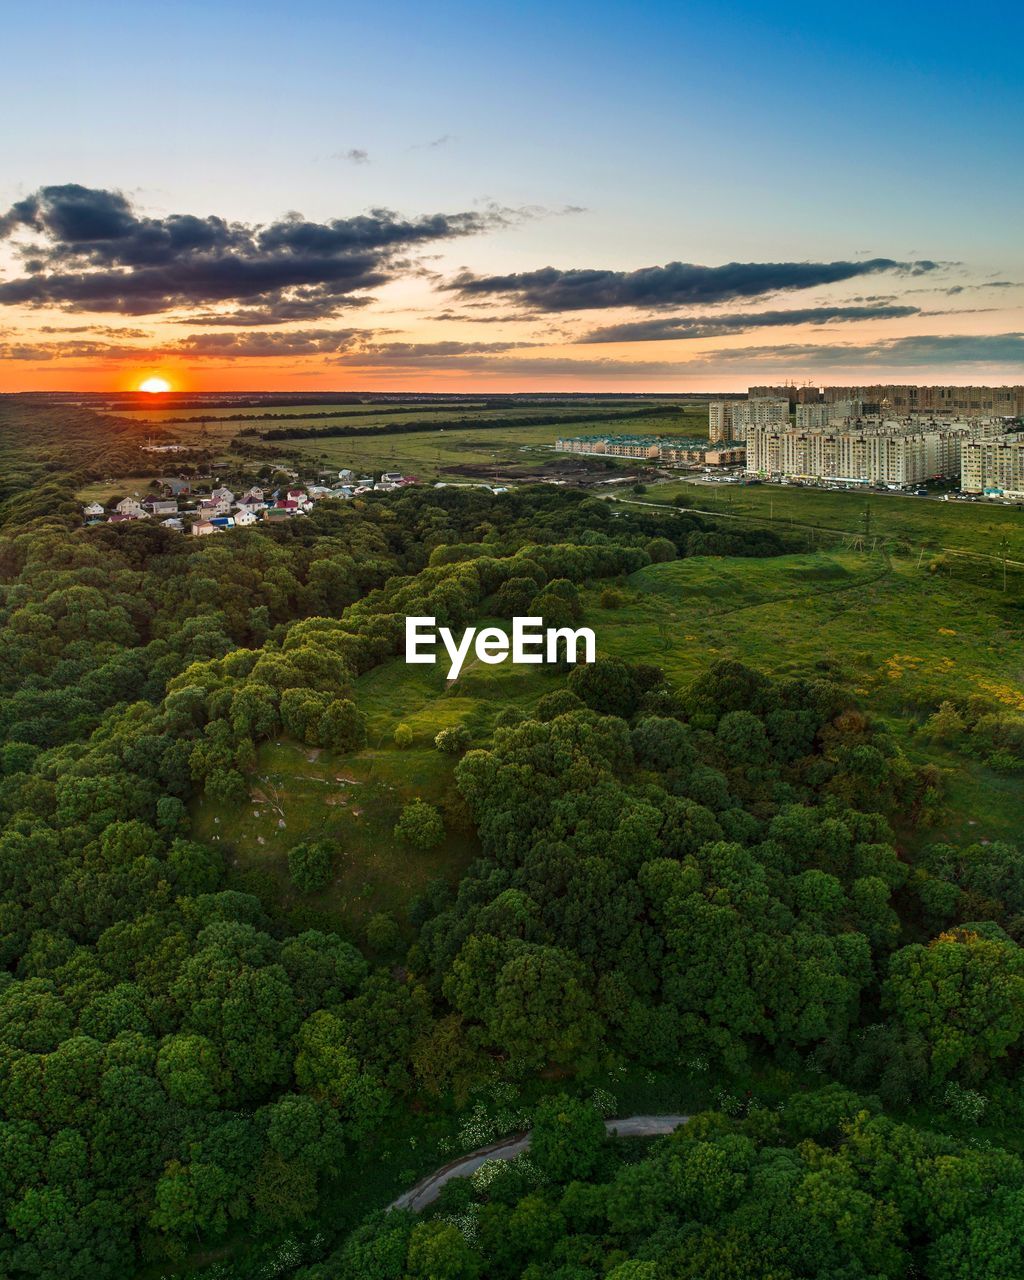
(223, 494)
(346, 476)
(214, 505)
(244, 517)
(162, 506)
(254, 495)
(93, 509)
(132, 508)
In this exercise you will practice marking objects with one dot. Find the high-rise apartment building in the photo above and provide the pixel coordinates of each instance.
(874, 453)
(758, 411)
(993, 465)
(720, 420)
(895, 400)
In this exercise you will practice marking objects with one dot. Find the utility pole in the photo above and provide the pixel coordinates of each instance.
(1004, 546)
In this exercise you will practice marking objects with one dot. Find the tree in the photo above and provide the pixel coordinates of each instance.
(420, 825)
(567, 1138)
(453, 741)
(403, 736)
(310, 865)
(964, 995)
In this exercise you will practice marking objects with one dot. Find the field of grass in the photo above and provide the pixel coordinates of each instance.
(901, 637)
(353, 801)
(425, 453)
(920, 522)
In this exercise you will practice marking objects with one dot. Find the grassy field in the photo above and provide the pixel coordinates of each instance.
(298, 794)
(900, 636)
(917, 521)
(424, 454)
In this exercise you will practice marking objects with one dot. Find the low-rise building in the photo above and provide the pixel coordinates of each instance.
(131, 509)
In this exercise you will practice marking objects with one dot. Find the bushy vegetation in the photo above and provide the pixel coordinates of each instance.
(668, 873)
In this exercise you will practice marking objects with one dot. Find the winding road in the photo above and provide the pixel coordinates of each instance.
(428, 1189)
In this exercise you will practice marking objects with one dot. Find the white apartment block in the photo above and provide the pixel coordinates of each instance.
(812, 417)
(993, 465)
(720, 420)
(886, 454)
(758, 411)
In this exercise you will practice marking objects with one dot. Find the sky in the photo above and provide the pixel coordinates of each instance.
(460, 197)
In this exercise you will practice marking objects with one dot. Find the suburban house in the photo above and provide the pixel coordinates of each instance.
(177, 487)
(132, 509)
(202, 528)
(244, 516)
(214, 506)
(162, 506)
(223, 494)
(93, 511)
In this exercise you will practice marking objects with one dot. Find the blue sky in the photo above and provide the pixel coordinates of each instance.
(614, 137)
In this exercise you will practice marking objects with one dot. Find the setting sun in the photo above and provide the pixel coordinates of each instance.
(155, 385)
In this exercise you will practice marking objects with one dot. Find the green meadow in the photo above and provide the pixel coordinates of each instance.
(919, 522)
(903, 637)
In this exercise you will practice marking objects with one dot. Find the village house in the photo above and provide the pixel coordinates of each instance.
(161, 506)
(214, 506)
(131, 509)
(244, 516)
(93, 511)
(202, 528)
(223, 494)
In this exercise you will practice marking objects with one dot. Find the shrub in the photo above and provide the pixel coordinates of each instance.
(382, 933)
(403, 736)
(420, 825)
(453, 741)
(309, 866)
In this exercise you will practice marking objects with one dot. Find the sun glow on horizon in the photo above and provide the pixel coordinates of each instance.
(154, 386)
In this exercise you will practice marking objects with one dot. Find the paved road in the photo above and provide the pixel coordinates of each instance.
(428, 1189)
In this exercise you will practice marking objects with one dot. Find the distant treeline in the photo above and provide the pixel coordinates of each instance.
(361, 411)
(463, 424)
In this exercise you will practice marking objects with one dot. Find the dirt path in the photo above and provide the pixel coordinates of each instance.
(428, 1189)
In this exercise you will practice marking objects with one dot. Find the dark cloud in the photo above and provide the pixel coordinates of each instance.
(299, 305)
(675, 284)
(89, 250)
(412, 353)
(666, 328)
(1001, 349)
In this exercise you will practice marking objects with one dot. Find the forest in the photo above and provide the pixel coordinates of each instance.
(732, 882)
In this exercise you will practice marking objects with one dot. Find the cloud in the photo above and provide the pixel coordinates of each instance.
(922, 351)
(434, 144)
(675, 284)
(661, 329)
(354, 155)
(90, 250)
